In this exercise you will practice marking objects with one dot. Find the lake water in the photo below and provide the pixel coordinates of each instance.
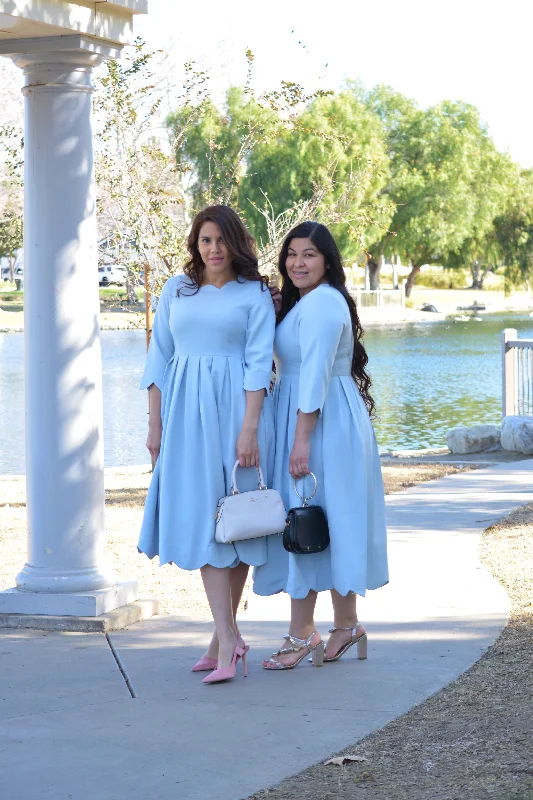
(427, 378)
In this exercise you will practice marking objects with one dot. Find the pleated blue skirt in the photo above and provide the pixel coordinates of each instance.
(203, 406)
(345, 461)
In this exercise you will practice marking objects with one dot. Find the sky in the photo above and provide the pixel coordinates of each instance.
(476, 51)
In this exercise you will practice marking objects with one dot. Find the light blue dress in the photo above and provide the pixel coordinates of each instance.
(206, 350)
(313, 353)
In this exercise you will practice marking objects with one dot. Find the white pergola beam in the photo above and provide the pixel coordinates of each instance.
(59, 44)
(112, 21)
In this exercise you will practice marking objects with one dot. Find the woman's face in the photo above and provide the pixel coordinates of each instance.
(306, 266)
(213, 251)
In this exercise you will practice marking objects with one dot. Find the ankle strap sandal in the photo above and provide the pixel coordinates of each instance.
(361, 641)
(316, 651)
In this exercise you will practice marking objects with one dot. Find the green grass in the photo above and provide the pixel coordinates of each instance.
(117, 293)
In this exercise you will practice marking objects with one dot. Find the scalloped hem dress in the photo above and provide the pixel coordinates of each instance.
(207, 349)
(313, 353)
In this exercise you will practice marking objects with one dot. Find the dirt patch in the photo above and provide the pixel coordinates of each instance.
(473, 739)
(401, 476)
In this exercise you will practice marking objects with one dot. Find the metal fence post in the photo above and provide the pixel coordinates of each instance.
(508, 373)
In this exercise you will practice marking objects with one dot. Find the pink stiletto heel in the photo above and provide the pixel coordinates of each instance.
(244, 667)
(205, 664)
(229, 672)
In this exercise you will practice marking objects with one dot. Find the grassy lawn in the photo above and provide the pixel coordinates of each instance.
(112, 303)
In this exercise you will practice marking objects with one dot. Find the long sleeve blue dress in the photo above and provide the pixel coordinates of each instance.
(207, 349)
(313, 353)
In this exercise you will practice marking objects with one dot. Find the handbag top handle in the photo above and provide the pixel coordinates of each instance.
(305, 499)
(235, 489)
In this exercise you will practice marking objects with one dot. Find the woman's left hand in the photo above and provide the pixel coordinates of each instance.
(248, 448)
(299, 459)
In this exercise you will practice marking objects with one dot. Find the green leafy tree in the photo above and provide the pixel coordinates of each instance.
(442, 159)
(279, 158)
(514, 232)
(217, 147)
(335, 143)
(11, 192)
(10, 238)
(496, 179)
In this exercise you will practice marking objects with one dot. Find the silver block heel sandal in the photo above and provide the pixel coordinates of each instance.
(361, 641)
(317, 653)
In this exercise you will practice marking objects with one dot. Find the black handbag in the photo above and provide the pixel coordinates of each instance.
(306, 528)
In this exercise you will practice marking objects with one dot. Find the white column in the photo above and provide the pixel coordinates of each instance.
(66, 572)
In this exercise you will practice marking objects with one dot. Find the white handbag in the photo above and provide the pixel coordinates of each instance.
(248, 515)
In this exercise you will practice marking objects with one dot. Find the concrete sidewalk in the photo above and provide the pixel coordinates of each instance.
(71, 730)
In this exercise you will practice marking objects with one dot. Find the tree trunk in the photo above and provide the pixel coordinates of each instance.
(477, 280)
(12, 268)
(374, 269)
(410, 282)
(478, 276)
(131, 297)
(147, 304)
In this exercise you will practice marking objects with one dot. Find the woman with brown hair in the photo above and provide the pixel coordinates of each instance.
(208, 373)
(323, 408)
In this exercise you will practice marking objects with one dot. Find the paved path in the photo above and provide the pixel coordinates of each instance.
(70, 729)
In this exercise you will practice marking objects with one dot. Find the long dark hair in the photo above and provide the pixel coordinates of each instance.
(325, 244)
(240, 244)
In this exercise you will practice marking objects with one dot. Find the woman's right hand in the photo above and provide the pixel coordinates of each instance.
(276, 298)
(153, 440)
(299, 458)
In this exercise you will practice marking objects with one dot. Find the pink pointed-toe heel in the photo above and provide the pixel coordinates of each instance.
(228, 673)
(205, 664)
(361, 642)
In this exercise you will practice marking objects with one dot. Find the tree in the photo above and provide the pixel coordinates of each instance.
(140, 193)
(335, 142)
(11, 186)
(514, 232)
(10, 239)
(218, 145)
(438, 170)
(496, 178)
(279, 158)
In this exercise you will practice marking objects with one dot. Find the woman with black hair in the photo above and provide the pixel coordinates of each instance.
(208, 373)
(323, 408)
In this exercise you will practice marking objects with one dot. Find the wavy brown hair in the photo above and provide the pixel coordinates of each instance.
(239, 242)
(335, 276)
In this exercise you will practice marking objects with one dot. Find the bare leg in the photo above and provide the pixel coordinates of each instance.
(302, 625)
(218, 590)
(237, 579)
(344, 616)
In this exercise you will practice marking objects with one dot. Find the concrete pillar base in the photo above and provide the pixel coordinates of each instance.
(75, 604)
(121, 617)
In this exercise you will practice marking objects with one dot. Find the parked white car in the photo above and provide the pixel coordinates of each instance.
(111, 273)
